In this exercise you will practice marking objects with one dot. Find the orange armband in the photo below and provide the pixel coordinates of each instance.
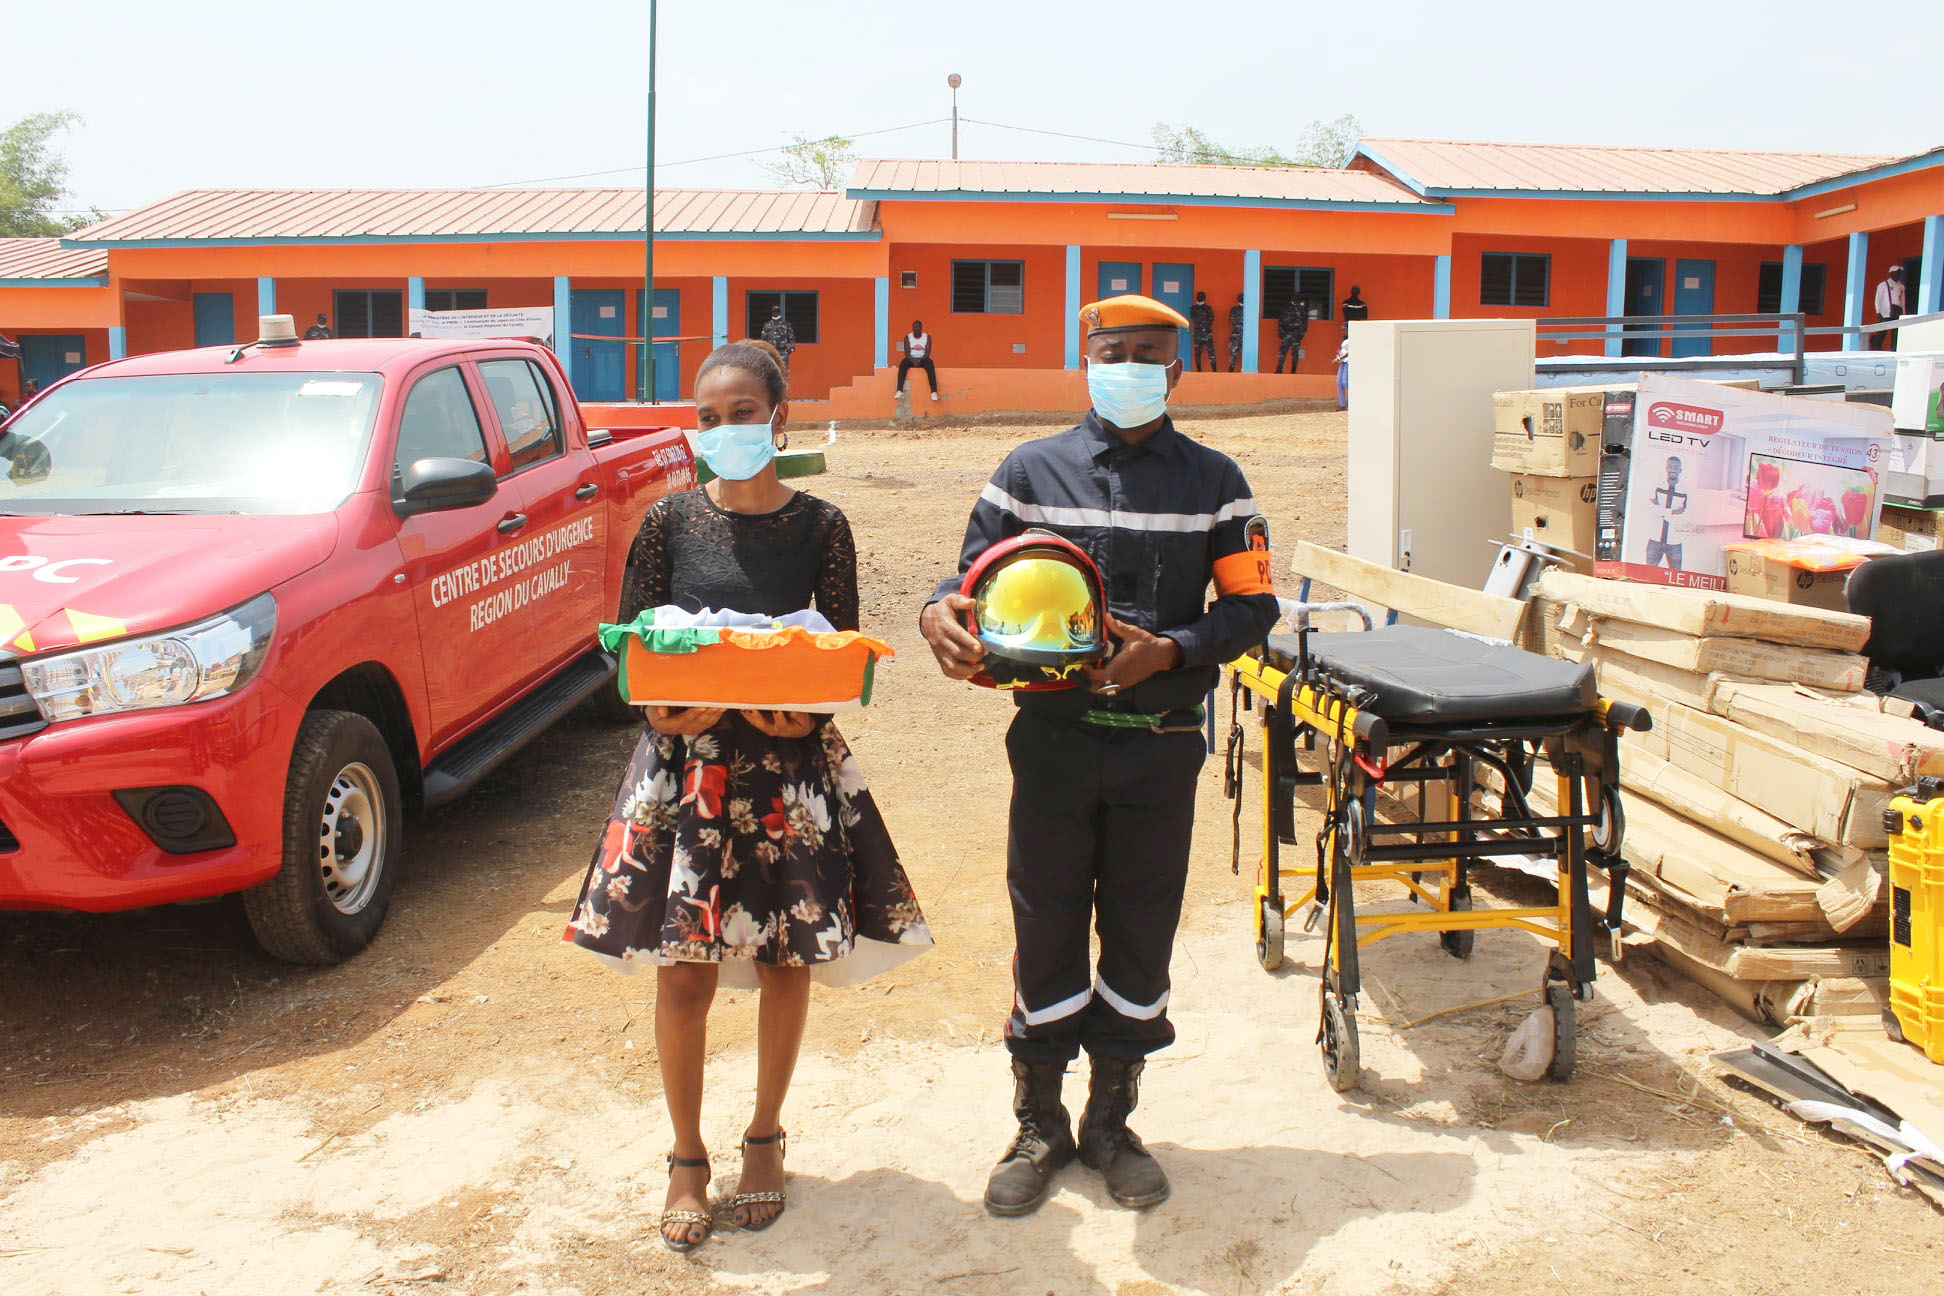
(1248, 572)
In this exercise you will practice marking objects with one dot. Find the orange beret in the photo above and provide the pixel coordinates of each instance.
(1131, 311)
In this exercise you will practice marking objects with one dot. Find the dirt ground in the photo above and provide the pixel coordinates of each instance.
(472, 1107)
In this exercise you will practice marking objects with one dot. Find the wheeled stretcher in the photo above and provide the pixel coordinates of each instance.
(1356, 712)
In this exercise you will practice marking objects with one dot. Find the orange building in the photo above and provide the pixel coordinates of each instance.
(996, 259)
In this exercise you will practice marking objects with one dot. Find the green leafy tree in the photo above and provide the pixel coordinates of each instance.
(1322, 144)
(33, 176)
(821, 162)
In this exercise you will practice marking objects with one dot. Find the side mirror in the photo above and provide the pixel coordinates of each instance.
(435, 485)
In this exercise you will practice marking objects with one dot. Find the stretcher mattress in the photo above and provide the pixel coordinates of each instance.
(1421, 676)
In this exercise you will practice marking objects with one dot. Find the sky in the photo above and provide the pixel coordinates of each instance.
(417, 94)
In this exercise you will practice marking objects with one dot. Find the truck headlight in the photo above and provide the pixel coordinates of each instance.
(206, 660)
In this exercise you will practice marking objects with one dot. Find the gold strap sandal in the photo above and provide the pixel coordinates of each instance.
(742, 1200)
(688, 1218)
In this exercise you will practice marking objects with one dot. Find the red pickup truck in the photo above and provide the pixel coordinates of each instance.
(256, 601)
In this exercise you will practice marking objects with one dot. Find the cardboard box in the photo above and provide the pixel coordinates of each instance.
(1766, 569)
(1914, 473)
(1703, 465)
(1827, 800)
(1559, 511)
(1849, 728)
(1917, 401)
(1708, 654)
(1552, 432)
(1911, 530)
(1700, 612)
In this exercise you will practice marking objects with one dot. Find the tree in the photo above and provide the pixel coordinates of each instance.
(821, 162)
(33, 176)
(1323, 144)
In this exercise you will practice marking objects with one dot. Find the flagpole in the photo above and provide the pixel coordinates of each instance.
(648, 235)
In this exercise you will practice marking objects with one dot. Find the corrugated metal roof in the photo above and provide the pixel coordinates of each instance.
(243, 215)
(1158, 181)
(1445, 165)
(45, 258)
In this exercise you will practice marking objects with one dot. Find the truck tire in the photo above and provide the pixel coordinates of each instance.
(343, 839)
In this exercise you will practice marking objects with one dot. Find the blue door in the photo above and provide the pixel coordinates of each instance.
(46, 357)
(600, 369)
(215, 319)
(1646, 293)
(1118, 277)
(668, 355)
(1174, 285)
(1693, 295)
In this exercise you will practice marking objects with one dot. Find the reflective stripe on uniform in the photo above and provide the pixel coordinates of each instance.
(1055, 515)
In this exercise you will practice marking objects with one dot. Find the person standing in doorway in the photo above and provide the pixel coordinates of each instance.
(1354, 307)
(1291, 324)
(918, 354)
(1104, 774)
(1889, 306)
(1236, 315)
(778, 333)
(1343, 373)
(320, 330)
(1201, 331)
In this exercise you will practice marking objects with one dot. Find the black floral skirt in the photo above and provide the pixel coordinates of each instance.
(736, 848)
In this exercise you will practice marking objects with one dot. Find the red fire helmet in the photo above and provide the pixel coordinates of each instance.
(1038, 607)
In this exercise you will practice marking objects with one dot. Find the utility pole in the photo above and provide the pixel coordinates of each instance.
(954, 82)
(647, 392)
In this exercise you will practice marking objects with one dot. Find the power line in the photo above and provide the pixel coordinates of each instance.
(1210, 156)
(713, 157)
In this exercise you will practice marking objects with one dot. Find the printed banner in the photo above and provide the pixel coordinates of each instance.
(504, 322)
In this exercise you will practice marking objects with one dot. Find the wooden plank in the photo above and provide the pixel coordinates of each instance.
(1708, 612)
(1453, 606)
(1816, 667)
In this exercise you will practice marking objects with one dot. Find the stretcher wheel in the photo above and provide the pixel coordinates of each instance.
(1565, 1012)
(1340, 1054)
(1611, 829)
(1458, 944)
(1269, 934)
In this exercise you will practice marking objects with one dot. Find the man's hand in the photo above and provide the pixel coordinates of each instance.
(957, 649)
(1141, 655)
(683, 722)
(782, 724)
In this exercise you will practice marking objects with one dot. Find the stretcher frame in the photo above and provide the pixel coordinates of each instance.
(1305, 711)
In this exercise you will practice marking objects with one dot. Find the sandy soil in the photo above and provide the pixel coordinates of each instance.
(472, 1107)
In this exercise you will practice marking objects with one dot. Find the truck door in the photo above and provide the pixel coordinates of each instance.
(555, 560)
(472, 635)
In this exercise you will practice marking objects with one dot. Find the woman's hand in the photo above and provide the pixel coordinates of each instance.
(683, 722)
(782, 724)
(958, 651)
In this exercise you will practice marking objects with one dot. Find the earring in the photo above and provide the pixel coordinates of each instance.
(782, 441)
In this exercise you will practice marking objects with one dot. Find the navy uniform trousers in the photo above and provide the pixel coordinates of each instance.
(1098, 835)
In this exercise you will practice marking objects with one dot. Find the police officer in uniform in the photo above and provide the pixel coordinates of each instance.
(1201, 329)
(1235, 335)
(1104, 775)
(1291, 324)
(778, 333)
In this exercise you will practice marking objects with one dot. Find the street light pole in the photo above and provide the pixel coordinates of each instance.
(647, 393)
(953, 81)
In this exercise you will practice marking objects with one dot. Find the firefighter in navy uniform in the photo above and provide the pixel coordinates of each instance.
(1235, 334)
(1104, 774)
(1201, 330)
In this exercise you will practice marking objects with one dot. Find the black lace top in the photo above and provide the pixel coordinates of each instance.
(693, 553)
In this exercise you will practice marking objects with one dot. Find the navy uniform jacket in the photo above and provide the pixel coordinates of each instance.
(1154, 517)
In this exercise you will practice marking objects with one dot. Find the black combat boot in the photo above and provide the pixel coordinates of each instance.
(1133, 1177)
(1024, 1177)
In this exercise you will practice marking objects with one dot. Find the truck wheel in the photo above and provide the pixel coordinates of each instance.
(343, 836)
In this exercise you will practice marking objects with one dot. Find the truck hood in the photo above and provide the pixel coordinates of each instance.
(66, 581)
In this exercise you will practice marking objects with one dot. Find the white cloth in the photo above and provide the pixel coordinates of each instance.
(670, 617)
(917, 345)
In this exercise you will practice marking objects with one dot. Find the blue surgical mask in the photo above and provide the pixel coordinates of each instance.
(1128, 395)
(737, 451)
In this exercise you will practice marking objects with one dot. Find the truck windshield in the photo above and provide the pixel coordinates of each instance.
(190, 443)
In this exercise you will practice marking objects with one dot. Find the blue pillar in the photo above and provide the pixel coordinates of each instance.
(1441, 289)
(1791, 292)
(1073, 305)
(1616, 292)
(719, 310)
(564, 324)
(266, 296)
(881, 355)
(414, 296)
(1930, 280)
(1856, 289)
(117, 342)
(1251, 310)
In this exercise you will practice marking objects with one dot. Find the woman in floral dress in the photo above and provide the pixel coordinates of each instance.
(744, 849)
